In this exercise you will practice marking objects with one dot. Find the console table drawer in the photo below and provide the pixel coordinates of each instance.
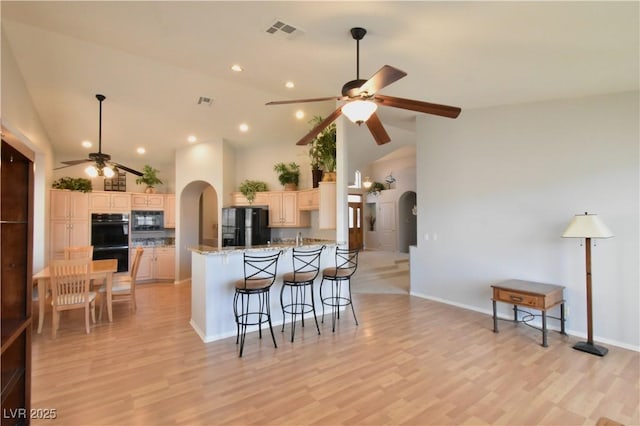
(518, 298)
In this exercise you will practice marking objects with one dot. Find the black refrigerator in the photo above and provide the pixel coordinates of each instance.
(245, 226)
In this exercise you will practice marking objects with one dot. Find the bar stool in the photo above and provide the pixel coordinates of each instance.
(346, 265)
(306, 266)
(259, 276)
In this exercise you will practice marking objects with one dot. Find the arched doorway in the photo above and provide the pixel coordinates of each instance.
(198, 218)
(407, 221)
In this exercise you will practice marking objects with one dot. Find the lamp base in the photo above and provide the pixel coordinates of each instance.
(591, 348)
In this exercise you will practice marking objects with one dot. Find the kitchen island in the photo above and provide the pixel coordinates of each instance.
(214, 272)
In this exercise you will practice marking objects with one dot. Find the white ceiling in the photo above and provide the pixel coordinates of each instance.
(153, 60)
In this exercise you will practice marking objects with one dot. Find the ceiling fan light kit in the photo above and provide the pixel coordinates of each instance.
(362, 100)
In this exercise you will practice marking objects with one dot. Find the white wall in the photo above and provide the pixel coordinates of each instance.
(197, 167)
(20, 117)
(498, 186)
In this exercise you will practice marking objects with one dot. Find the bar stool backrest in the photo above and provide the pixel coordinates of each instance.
(306, 263)
(260, 271)
(346, 261)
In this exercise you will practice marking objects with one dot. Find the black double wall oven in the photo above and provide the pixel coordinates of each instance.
(110, 238)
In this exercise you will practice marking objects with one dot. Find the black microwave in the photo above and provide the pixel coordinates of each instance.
(142, 220)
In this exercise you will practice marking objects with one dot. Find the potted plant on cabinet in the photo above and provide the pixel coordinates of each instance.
(288, 175)
(150, 178)
(250, 187)
(73, 184)
(323, 148)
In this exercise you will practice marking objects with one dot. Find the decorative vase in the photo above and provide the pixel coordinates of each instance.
(150, 190)
(329, 177)
(316, 175)
(290, 186)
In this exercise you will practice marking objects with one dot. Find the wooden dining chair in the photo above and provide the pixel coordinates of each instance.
(78, 252)
(70, 281)
(124, 287)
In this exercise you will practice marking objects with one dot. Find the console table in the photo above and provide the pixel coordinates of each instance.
(534, 295)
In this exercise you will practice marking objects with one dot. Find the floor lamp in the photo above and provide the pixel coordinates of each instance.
(588, 226)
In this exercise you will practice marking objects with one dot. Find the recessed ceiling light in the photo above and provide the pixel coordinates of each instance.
(299, 114)
(87, 144)
(236, 68)
(244, 127)
(289, 85)
(141, 150)
(192, 139)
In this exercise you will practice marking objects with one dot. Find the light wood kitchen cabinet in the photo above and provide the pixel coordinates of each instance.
(140, 201)
(284, 211)
(238, 199)
(309, 199)
(69, 225)
(156, 263)
(170, 211)
(69, 205)
(109, 202)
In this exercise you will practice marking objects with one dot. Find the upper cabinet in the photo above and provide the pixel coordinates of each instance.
(69, 205)
(309, 199)
(170, 211)
(140, 201)
(284, 211)
(109, 202)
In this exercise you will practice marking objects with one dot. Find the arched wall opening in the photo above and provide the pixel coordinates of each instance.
(195, 210)
(407, 221)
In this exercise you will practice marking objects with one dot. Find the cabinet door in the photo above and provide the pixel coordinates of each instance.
(145, 270)
(309, 199)
(59, 238)
(289, 208)
(274, 201)
(165, 263)
(155, 202)
(79, 233)
(170, 211)
(121, 203)
(138, 201)
(79, 206)
(99, 201)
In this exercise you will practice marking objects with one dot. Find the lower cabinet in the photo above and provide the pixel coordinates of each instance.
(157, 263)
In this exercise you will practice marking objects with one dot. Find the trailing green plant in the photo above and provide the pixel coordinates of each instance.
(149, 177)
(322, 151)
(287, 173)
(250, 187)
(74, 184)
(377, 187)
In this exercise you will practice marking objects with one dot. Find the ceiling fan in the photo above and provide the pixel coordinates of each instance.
(362, 100)
(103, 164)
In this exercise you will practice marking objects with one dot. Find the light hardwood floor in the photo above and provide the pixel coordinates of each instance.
(410, 361)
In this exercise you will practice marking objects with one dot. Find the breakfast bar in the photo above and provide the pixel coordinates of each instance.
(214, 272)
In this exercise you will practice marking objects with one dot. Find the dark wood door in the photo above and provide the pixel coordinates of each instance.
(355, 225)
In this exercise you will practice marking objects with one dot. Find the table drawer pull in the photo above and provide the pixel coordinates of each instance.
(516, 298)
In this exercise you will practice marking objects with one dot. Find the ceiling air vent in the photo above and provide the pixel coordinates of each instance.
(203, 100)
(283, 29)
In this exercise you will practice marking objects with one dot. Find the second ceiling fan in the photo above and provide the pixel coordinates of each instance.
(362, 100)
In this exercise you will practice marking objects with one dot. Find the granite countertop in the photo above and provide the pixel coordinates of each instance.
(153, 242)
(282, 245)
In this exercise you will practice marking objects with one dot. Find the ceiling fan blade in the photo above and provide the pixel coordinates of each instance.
(127, 169)
(74, 162)
(419, 106)
(377, 129)
(299, 101)
(316, 130)
(384, 77)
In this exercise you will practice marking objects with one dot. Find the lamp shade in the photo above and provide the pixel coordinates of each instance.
(359, 111)
(587, 226)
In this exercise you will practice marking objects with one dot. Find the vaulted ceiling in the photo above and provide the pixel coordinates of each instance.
(154, 60)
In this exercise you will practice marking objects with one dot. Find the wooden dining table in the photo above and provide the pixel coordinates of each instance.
(100, 269)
